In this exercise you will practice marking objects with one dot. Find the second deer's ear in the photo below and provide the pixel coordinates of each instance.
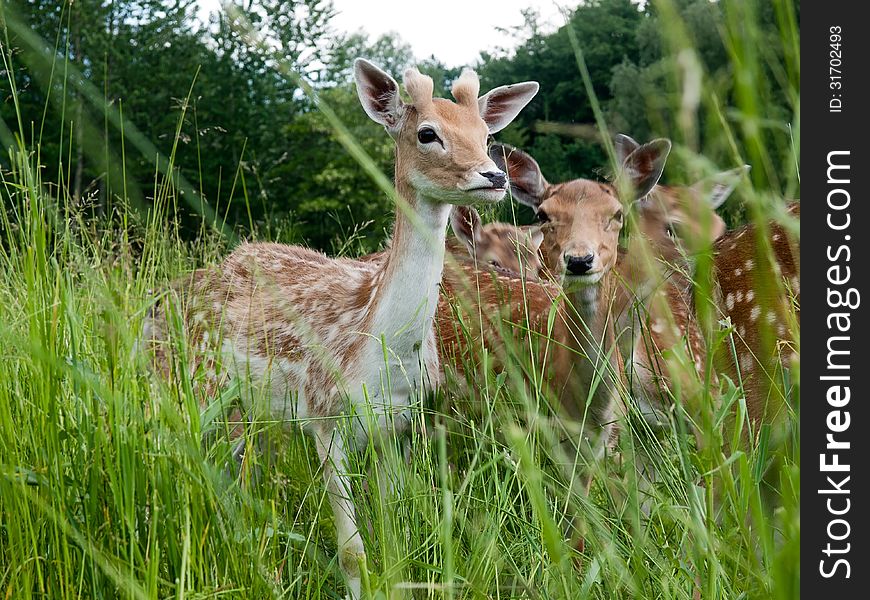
(501, 105)
(643, 167)
(718, 188)
(378, 94)
(466, 225)
(526, 180)
(624, 145)
(536, 238)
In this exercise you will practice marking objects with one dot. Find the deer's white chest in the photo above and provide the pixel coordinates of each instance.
(392, 380)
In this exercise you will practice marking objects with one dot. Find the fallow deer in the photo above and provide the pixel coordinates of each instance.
(659, 336)
(327, 342)
(581, 223)
(755, 295)
(502, 247)
(757, 288)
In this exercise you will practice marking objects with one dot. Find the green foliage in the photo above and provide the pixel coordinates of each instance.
(328, 192)
(257, 151)
(606, 30)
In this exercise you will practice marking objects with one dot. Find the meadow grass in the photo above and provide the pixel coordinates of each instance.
(113, 483)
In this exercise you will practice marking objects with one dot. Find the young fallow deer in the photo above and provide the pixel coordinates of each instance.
(757, 288)
(581, 223)
(659, 336)
(502, 247)
(309, 334)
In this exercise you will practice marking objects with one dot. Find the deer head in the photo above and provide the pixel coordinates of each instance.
(502, 246)
(680, 219)
(441, 153)
(581, 219)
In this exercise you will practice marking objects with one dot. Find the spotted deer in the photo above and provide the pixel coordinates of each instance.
(344, 346)
(580, 222)
(659, 336)
(757, 297)
(501, 247)
(756, 277)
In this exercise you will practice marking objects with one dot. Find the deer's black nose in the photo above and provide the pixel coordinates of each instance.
(579, 265)
(496, 178)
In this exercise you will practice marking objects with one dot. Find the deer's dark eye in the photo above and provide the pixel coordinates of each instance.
(427, 135)
(618, 216)
(494, 263)
(542, 217)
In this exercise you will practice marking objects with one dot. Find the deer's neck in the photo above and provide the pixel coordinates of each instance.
(648, 274)
(406, 285)
(587, 303)
(591, 348)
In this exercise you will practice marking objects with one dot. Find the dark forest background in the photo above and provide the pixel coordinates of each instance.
(104, 85)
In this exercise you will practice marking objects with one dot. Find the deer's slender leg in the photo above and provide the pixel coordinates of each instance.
(351, 553)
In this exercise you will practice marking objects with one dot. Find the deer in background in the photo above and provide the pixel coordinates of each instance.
(674, 224)
(309, 334)
(659, 336)
(502, 247)
(581, 223)
(757, 287)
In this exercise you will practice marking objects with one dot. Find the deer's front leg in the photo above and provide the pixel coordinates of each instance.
(587, 457)
(351, 553)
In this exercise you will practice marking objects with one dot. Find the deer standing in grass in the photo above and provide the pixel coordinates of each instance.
(756, 278)
(345, 346)
(756, 295)
(581, 223)
(659, 336)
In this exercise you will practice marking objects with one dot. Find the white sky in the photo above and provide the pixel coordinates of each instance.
(455, 31)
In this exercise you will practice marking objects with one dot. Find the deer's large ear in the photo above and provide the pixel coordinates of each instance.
(526, 180)
(378, 94)
(501, 105)
(718, 188)
(466, 225)
(536, 238)
(624, 145)
(643, 167)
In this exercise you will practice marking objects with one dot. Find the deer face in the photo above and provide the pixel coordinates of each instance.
(678, 220)
(581, 219)
(682, 220)
(442, 145)
(501, 246)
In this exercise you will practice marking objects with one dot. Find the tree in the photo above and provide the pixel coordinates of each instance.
(606, 32)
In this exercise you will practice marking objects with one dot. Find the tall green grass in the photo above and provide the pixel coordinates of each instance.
(113, 483)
